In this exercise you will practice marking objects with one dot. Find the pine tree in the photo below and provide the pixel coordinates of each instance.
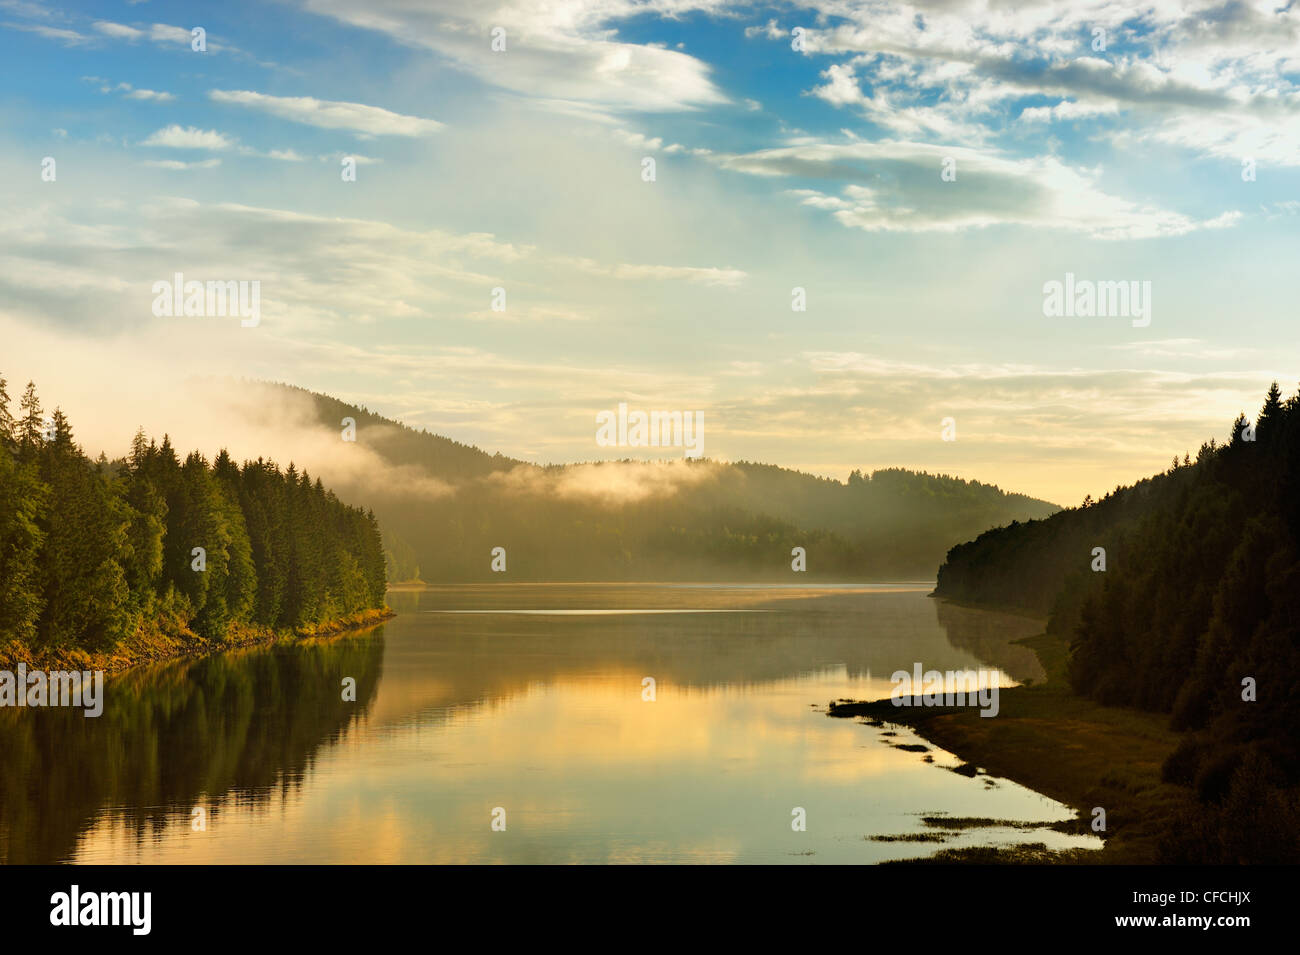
(62, 433)
(24, 500)
(31, 423)
(7, 422)
(1270, 414)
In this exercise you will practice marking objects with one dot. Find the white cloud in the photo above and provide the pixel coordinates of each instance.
(326, 114)
(163, 33)
(1068, 110)
(565, 53)
(180, 164)
(728, 278)
(896, 186)
(1214, 78)
(118, 30)
(66, 37)
(188, 137)
(156, 96)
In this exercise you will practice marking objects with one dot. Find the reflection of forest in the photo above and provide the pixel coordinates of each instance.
(990, 635)
(440, 660)
(236, 726)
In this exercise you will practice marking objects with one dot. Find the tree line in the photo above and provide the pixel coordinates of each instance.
(1197, 614)
(91, 552)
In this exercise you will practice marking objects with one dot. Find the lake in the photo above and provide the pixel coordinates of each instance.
(513, 723)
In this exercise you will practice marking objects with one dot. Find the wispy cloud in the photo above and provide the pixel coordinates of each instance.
(181, 164)
(897, 187)
(564, 54)
(65, 36)
(118, 30)
(326, 114)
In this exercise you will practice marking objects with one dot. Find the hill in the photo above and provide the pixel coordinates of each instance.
(637, 520)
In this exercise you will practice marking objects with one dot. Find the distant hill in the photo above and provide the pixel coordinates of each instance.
(630, 520)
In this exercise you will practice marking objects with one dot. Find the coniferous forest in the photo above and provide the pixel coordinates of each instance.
(95, 553)
(1194, 613)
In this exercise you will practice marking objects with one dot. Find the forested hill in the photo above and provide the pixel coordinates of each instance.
(442, 457)
(637, 520)
(1200, 592)
(95, 554)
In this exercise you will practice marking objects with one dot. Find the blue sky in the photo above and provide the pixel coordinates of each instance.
(776, 168)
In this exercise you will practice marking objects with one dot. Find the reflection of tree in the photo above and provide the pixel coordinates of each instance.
(989, 635)
(230, 726)
(484, 658)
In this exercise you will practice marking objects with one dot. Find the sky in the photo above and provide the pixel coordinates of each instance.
(921, 172)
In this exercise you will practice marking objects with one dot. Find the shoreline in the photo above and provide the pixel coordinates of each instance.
(155, 644)
(1066, 747)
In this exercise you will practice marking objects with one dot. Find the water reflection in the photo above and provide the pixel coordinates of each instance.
(226, 732)
(540, 713)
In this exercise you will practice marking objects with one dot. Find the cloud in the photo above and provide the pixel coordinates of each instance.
(326, 114)
(179, 164)
(66, 37)
(563, 53)
(531, 312)
(1213, 78)
(188, 137)
(896, 186)
(130, 92)
(163, 33)
(1068, 110)
(728, 278)
(156, 96)
(118, 30)
(318, 273)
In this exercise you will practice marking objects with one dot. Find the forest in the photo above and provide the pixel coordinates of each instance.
(93, 553)
(1195, 613)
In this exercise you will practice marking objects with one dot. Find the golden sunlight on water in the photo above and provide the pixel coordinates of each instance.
(543, 715)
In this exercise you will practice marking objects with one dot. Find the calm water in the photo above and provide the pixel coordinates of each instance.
(528, 698)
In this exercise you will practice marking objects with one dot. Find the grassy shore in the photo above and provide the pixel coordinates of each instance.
(165, 639)
(1066, 747)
